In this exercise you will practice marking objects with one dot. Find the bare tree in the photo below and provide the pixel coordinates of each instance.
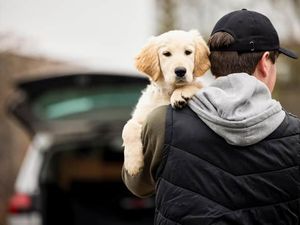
(166, 15)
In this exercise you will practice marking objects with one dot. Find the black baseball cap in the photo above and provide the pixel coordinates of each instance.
(252, 32)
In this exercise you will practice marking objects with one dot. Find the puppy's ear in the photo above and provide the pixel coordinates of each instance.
(147, 60)
(202, 63)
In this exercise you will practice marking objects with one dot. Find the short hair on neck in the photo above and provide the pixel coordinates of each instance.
(227, 62)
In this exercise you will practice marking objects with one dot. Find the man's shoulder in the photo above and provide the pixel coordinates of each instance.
(157, 115)
(157, 118)
(291, 123)
(294, 121)
(292, 115)
(154, 126)
(292, 118)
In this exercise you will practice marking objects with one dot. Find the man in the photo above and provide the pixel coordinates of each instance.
(232, 156)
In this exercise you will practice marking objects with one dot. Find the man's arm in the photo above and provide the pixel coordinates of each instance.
(153, 134)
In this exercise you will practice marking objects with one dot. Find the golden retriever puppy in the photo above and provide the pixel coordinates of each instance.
(172, 61)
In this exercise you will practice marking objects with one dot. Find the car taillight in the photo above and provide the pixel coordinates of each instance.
(136, 203)
(19, 203)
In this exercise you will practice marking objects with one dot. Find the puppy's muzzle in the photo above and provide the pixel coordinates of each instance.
(180, 72)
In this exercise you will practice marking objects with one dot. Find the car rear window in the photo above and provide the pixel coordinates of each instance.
(107, 103)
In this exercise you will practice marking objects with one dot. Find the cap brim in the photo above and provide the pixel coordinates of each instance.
(288, 53)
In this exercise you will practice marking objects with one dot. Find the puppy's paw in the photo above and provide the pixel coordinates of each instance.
(133, 159)
(133, 147)
(133, 155)
(179, 104)
(177, 100)
(132, 167)
(180, 96)
(189, 92)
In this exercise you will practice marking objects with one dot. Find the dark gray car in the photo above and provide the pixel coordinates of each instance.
(71, 172)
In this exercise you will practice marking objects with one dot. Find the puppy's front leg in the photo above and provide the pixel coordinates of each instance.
(133, 147)
(181, 95)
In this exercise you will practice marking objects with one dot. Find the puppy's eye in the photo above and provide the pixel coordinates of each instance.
(187, 52)
(167, 54)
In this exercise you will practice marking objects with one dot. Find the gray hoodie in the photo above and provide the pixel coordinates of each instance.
(239, 108)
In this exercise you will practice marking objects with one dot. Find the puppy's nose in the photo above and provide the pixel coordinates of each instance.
(180, 71)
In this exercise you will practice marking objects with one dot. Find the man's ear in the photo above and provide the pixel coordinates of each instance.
(262, 67)
(201, 61)
(147, 60)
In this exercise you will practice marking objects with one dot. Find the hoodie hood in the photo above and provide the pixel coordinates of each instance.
(239, 108)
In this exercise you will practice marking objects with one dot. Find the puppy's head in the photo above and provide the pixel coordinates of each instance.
(175, 57)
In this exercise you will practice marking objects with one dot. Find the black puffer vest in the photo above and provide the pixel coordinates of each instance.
(204, 180)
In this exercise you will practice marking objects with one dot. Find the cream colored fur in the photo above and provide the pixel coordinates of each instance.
(159, 59)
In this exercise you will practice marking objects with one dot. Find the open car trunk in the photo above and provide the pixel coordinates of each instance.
(81, 184)
(80, 178)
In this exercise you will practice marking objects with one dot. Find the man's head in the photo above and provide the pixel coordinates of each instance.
(239, 42)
